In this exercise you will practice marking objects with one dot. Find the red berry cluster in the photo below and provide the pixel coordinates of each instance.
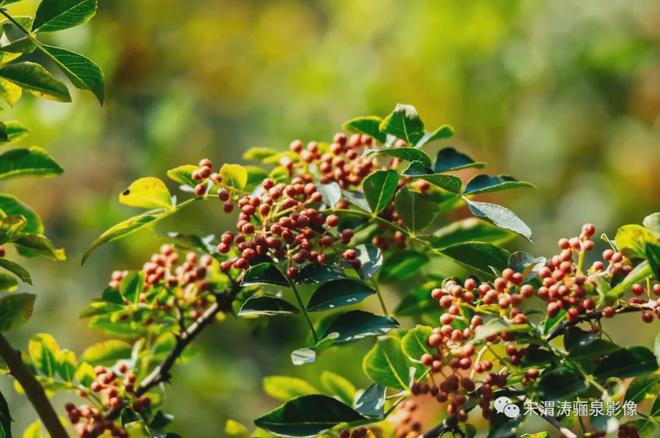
(180, 282)
(342, 162)
(406, 420)
(358, 432)
(283, 221)
(628, 431)
(110, 390)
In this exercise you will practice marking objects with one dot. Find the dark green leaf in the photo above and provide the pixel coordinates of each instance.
(82, 72)
(402, 265)
(371, 260)
(37, 80)
(479, 255)
(372, 402)
(415, 342)
(404, 123)
(266, 305)
(338, 293)
(445, 131)
(486, 183)
(626, 362)
(415, 210)
(15, 310)
(264, 273)
(447, 182)
(39, 244)
(386, 365)
(643, 387)
(499, 216)
(470, 229)
(27, 162)
(449, 159)
(285, 388)
(307, 415)
(315, 273)
(560, 383)
(15, 131)
(407, 154)
(357, 324)
(14, 40)
(379, 189)
(653, 257)
(416, 303)
(16, 269)
(5, 418)
(255, 176)
(369, 125)
(53, 15)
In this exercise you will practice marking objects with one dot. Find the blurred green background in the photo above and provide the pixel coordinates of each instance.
(564, 94)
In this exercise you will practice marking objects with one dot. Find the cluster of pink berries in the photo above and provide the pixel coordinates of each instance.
(110, 390)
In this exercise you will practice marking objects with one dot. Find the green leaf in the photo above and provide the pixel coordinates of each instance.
(371, 260)
(43, 351)
(559, 383)
(447, 182)
(415, 342)
(7, 283)
(82, 72)
(256, 175)
(338, 386)
(107, 353)
(259, 153)
(357, 199)
(15, 131)
(14, 40)
(10, 92)
(445, 131)
(404, 123)
(134, 224)
(485, 184)
(148, 192)
(643, 387)
(11, 228)
(500, 217)
(54, 15)
(264, 273)
(632, 239)
(480, 256)
(266, 305)
(386, 365)
(652, 222)
(357, 324)
(285, 388)
(5, 418)
(496, 326)
(653, 257)
(37, 80)
(369, 125)
(469, 229)
(338, 293)
(379, 189)
(407, 154)
(234, 175)
(414, 209)
(331, 193)
(626, 362)
(372, 402)
(307, 415)
(27, 162)
(315, 273)
(15, 310)
(11, 206)
(40, 245)
(402, 265)
(183, 174)
(449, 159)
(417, 303)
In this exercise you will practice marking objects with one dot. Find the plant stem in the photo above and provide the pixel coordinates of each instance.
(380, 296)
(303, 310)
(33, 389)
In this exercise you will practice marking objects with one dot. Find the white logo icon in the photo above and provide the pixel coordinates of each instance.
(504, 405)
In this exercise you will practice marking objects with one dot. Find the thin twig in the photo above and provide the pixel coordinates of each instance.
(33, 389)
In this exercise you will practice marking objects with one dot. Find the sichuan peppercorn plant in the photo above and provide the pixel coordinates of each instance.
(321, 228)
(27, 66)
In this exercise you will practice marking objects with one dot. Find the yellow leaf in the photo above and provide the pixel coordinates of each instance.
(147, 192)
